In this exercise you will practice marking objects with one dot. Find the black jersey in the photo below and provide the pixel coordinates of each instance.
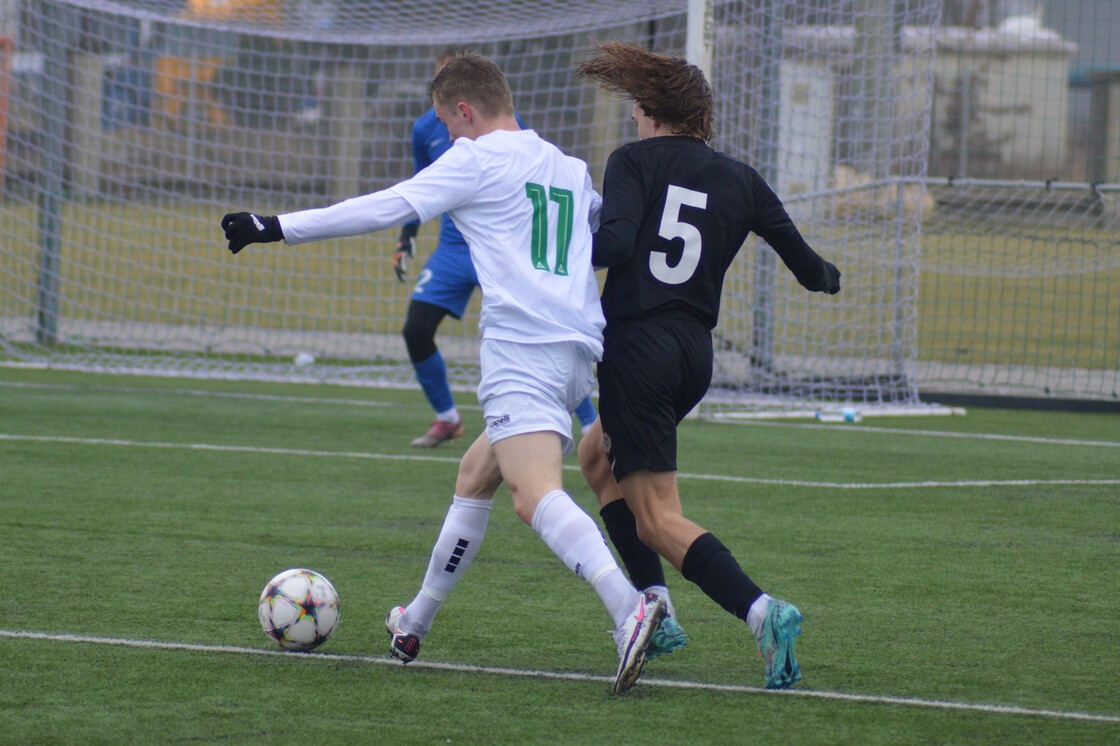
(675, 213)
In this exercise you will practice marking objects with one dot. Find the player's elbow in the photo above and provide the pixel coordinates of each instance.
(610, 247)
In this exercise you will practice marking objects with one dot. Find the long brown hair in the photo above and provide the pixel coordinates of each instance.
(668, 89)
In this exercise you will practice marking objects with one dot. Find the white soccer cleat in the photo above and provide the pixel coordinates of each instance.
(402, 646)
(633, 638)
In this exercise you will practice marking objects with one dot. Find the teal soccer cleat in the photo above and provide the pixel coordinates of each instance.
(668, 637)
(779, 632)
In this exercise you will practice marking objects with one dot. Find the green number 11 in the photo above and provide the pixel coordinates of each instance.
(563, 198)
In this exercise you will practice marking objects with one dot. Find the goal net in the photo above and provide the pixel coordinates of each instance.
(131, 126)
(1021, 280)
(1020, 272)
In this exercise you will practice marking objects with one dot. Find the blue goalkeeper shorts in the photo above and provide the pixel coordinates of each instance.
(447, 280)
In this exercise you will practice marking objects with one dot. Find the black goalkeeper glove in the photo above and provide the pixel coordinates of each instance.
(831, 279)
(404, 250)
(244, 228)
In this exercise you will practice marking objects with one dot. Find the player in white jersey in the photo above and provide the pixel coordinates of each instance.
(526, 211)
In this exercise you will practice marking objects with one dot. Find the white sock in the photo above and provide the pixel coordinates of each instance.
(458, 542)
(756, 616)
(574, 537)
(451, 415)
(662, 591)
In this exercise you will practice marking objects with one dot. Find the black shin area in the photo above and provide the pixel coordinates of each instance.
(420, 324)
(710, 565)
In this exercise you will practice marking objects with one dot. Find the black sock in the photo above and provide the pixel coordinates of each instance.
(643, 565)
(709, 564)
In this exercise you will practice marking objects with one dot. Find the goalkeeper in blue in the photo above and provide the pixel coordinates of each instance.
(443, 287)
(675, 213)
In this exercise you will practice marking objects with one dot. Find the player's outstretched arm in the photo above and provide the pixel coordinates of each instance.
(244, 228)
(775, 226)
(815, 273)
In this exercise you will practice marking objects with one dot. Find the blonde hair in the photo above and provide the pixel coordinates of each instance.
(468, 76)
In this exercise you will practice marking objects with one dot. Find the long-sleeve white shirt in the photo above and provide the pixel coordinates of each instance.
(526, 211)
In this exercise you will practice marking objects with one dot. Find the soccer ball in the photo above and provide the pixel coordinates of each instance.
(298, 609)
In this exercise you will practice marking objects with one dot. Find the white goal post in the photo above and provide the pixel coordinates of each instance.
(133, 125)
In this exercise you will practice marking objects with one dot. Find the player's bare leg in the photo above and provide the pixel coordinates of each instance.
(460, 537)
(655, 501)
(532, 466)
(704, 560)
(642, 563)
(479, 474)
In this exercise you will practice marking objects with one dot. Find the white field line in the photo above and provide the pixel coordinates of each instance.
(453, 460)
(213, 394)
(475, 407)
(940, 434)
(569, 676)
(226, 449)
(200, 392)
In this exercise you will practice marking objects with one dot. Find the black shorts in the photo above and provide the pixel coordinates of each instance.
(654, 371)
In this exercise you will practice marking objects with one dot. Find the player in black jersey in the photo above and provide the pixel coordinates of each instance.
(675, 213)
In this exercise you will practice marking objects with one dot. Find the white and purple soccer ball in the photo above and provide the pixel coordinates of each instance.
(298, 609)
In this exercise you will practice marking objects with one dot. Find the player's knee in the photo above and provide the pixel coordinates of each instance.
(477, 479)
(591, 456)
(417, 329)
(652, 527)
(596, 468)
(647, 533)
(592, 453)
(419, 336)
(524, 506)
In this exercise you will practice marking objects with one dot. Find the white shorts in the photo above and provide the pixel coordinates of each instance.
(532, 388)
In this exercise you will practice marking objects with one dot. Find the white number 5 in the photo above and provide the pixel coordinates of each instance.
(673, 227)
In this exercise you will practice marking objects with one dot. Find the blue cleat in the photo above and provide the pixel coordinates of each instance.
(779, 632)
(668, 637)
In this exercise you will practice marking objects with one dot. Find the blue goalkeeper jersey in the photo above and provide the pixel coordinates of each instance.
(429, 141)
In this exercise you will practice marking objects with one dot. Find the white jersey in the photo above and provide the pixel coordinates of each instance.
(525, 210)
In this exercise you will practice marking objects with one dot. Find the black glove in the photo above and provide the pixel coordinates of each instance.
(404, 250)
(831, 284)
(244, 228)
